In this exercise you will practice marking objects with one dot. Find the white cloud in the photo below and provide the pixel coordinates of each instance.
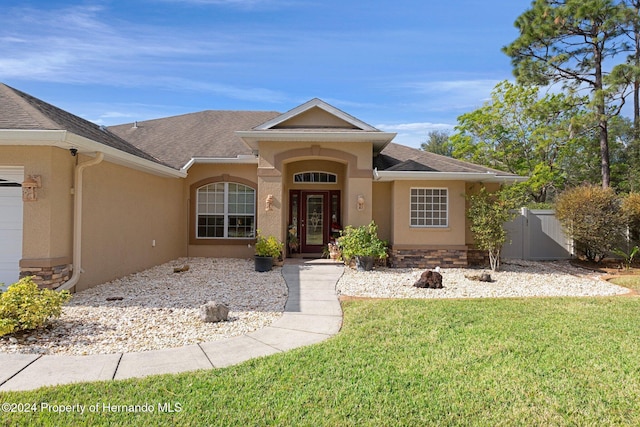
(459, 95)
(124, 55)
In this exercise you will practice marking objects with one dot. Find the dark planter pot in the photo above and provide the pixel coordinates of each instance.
(364, 263)
(264, 263)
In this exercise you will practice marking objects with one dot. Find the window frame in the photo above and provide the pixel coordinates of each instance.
(433, 211)
(226, 214)
(328, 174)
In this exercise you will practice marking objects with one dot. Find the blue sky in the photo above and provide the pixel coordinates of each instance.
(405, 66)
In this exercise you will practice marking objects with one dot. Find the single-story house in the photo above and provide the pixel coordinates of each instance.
(81, 204)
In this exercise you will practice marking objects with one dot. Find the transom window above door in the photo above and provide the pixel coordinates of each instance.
(225, 210)
(314, 177)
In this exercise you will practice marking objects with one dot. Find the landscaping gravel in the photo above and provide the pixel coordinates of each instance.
(158, 308)
(516, 279)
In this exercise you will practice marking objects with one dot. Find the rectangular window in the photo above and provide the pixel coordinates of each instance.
(429, 207)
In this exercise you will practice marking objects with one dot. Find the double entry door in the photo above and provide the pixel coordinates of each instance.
(314, 219)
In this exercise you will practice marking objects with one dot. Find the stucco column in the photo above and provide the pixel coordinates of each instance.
(270, 206)
(358, 202)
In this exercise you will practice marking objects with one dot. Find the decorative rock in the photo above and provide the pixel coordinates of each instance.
(429, 279)
(213, 312)
(485, 277)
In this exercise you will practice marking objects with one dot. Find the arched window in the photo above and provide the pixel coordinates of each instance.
(225, 210)
(316, 177)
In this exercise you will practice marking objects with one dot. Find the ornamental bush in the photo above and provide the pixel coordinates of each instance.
(487, 214)
(631, 211)
(268, 246)
(24, 306)
(362, 241)
(593, 218)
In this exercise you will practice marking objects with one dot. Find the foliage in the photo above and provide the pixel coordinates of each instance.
(535, 361)
(268, 246)
(361, 241)
(520, 132)
(631, 211)
(628, 257)
(23, 306)
(593, 218)
(569, 41)
(488, 212)
(438, 143)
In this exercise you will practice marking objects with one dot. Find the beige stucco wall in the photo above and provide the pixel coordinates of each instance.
(244, 173)
(47, 222)
(124, 211)
(315, 118)
(278, 160)
(382, 207)
(405, 235)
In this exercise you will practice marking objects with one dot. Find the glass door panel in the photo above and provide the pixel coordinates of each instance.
(314, 230)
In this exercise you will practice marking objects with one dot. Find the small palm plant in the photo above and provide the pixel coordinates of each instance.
(628, 257)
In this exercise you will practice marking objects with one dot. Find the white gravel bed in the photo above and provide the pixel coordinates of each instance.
(516, 279)
(160, 309)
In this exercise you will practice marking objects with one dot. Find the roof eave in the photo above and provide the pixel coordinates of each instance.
(377, 138)
(67, 140)
(241, 159)
(445, 176)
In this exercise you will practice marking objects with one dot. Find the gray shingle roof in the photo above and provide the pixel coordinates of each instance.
(396, 157)
(21, 111)
(175, 140)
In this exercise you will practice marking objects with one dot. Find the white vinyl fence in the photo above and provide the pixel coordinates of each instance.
(536, 234)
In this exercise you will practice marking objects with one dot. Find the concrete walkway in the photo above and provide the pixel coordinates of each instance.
(312, 314)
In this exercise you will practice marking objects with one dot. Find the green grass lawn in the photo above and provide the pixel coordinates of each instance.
(539, 361)
(630, 281)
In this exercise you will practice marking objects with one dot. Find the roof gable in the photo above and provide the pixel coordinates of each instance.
(316, 114)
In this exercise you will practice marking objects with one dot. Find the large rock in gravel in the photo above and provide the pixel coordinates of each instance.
(429, 279)
(213, 312)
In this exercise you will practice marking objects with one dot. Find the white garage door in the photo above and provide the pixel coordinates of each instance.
(10, 223)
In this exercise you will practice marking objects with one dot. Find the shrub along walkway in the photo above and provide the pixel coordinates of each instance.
(311, 315)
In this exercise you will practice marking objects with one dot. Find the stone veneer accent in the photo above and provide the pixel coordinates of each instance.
(477, 257)
(428, 257)
(46, 273)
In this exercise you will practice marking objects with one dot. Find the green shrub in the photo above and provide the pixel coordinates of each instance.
(268, 246)
(362, 241)
(24, 306)
(487, 214)
(593, 218)
(631, 211)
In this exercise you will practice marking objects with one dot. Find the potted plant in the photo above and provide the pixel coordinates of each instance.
(267, 248)
(362, 244)
(292, 237)
(333, 250)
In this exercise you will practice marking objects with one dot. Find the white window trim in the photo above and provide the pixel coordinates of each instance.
(315, 182)
(447, 207)
(225, 212)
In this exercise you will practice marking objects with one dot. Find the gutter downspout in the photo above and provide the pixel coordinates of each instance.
(77, 222)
